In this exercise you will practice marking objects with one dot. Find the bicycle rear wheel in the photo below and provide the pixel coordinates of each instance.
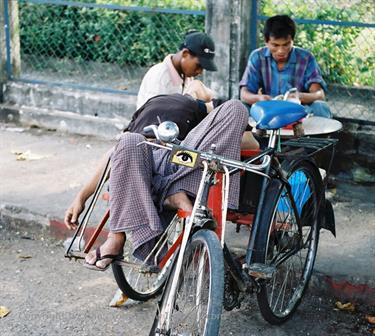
(290, 249)
(142, 280)
(198, 300)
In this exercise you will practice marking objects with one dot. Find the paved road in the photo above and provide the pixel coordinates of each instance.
(49, 295)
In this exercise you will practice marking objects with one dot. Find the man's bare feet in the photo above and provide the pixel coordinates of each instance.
(114, 245)
(178, 201)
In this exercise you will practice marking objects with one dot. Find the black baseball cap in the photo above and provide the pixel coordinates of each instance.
(202, 46)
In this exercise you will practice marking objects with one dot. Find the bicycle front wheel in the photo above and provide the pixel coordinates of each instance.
(286, 246)
(142, 280)
(197, 303)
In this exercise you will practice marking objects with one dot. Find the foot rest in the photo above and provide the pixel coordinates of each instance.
(147, 269)
(261, 271)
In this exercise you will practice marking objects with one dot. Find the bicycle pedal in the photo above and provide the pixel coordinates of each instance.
(262, 271)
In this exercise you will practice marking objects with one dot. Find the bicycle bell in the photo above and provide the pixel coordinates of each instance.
(168, 131)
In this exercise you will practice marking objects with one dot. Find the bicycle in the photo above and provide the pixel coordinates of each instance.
(285, 225)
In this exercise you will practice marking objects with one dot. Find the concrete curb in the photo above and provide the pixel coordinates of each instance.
(18, 218)
(63, 121)
(343, 287)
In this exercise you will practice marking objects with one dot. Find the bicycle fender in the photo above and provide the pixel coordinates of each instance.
(327, 216)
(286, 164)
(205, 223)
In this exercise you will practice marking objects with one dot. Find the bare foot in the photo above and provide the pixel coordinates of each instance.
(113, 245)
(178, 201)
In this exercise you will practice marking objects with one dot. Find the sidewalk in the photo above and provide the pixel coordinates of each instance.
(37, 191)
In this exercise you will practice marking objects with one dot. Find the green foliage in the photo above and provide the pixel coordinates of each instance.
(102, 35)
(343, 59)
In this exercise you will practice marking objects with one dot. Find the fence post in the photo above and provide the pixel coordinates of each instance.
(218, 22)
(14, 27)
(227, 21)
(10, 57)
(3, 73)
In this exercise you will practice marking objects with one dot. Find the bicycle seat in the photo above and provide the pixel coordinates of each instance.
(275, 114)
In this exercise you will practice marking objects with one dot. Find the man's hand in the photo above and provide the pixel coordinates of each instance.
(73, 212)
(251, 98)
(264, 97)
(198, 90)
(315, 93)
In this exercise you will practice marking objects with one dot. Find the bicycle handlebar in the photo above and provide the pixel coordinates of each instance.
(211, 157)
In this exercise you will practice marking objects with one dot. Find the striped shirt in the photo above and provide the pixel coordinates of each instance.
(300, 72)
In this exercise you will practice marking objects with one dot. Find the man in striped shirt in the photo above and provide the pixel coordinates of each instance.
(279, 66)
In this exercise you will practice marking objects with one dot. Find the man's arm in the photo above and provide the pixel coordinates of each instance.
(316, 92)
(78, 204)
(250, 84)
(314, 84)
(251, 98)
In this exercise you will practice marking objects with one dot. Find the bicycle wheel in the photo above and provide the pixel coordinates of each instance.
(143, 280)
(198, 300)
(281, 243)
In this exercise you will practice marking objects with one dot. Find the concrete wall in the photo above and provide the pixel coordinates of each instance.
(355, 155)
(76, 111)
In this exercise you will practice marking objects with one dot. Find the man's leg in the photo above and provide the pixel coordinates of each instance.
(319, 108)
(223, 127)
(132, 209)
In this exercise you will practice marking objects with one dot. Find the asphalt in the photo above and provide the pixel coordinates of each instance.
(42, 170)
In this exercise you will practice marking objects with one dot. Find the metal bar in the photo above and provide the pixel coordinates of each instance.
(82, 225)
(224, 203)
(327, 22)
(7, 40)
(253, 25)
(256, 223)
(356, 121)
(115, 7)
(165, 314)
(96, 233)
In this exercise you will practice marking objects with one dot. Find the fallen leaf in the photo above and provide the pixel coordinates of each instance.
(118, 299)
(4, 311)
(370, 319)
(24, 156)
(24, 256)
(345, 306)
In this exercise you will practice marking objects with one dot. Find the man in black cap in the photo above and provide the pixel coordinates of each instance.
(174, 74)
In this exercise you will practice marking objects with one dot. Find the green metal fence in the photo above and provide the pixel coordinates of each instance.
(96, 44)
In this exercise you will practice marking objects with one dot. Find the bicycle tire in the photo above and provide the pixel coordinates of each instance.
(142, 280)
(279, 238)
(199, 296)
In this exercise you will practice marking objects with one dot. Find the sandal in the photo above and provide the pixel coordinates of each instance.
(113, 257)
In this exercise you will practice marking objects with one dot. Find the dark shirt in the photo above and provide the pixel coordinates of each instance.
(185, 111)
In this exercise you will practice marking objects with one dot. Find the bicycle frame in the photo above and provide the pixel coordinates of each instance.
(213, 192)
